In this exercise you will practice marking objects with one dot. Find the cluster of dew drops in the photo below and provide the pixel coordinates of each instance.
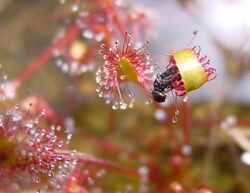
(6, 89)
(34, 137)
(121, 104)
(74, 6)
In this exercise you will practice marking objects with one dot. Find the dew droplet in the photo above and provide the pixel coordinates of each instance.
(100, 94)
(130, 94)
(160, 115)
(123, 106)
(101, 173)
(17, 117)
(98, 89)
(43, 112)
(90, 181)
(143, 172)
(115, 106)
(28, 124)
(99, 37)
(185, 99)
(122, 77)
(74, 7)
(245, 158)
(118, 3)
(175, 119)
(105, 57)
(186, 149)
(88, 34)
(98, 80)
(73, 153)
(131, 105)
(148, 102)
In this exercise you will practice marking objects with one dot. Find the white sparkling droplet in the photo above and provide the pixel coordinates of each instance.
(186, 149)
(148, 102)
(88, 34)
(175, 119)
(74, 7)
(123, 106)
(185, 99)
(115, 106)
(130, 94)
(28, 124)
(245, 158)
(160, 115)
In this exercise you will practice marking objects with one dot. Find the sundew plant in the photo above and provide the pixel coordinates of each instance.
(122, 96)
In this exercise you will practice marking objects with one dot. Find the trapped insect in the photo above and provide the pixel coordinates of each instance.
(187, 71)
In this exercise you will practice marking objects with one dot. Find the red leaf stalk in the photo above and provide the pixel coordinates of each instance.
(35, 65)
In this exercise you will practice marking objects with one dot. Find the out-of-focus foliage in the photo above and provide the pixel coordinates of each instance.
(209, 145)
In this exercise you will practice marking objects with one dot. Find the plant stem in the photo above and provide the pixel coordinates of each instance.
(186, 123)
(87, 159)
(38, 62)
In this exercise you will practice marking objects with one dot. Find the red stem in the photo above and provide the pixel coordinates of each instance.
(169, 126)
(111, 122)
(81, 157)
(109, 147)
(186, 122)
(35, 65)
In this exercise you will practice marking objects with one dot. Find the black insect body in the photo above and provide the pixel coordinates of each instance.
(164, 82)
(187, 71)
